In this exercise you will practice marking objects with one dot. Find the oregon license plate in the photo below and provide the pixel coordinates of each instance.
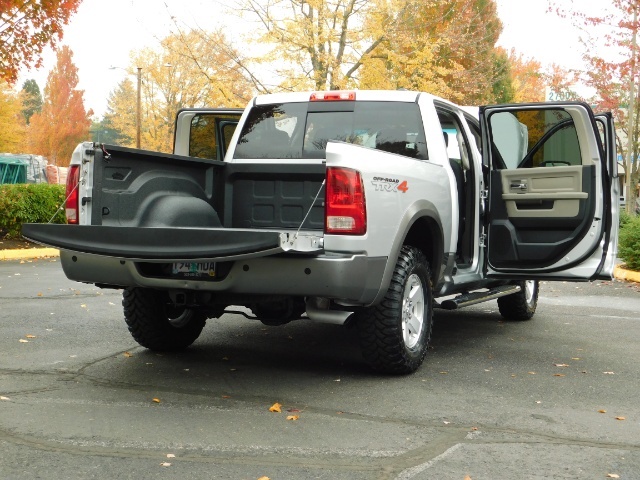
(194, 270)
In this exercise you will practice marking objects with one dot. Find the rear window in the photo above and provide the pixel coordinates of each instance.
(302, 130)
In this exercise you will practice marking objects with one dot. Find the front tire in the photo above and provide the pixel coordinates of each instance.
(522, 305)
(155, 323)
(394, 335)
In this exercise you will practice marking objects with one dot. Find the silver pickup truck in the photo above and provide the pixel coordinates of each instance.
(367, 208)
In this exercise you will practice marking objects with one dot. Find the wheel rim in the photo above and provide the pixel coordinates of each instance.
(412, 311)
(529, 288)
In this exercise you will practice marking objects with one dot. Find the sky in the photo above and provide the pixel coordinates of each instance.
(102, 34)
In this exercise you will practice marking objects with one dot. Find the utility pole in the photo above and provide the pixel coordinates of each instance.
(631, 111)
(139, 108)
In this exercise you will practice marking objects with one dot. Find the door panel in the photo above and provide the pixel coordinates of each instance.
(543, 192)
(546, 191)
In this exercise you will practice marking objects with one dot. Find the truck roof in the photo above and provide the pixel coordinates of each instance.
(367, 95)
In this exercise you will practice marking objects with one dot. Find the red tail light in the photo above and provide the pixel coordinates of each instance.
(73, 195)
(333, 96)
(345, 208)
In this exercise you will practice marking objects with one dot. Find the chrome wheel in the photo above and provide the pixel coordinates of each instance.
(530, 288)
(412, 311)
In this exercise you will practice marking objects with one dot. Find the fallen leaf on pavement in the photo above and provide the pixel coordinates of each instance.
(609, 373)
(156, 400)
(4, 398)
(293, 417)
(561, 365)
(602, 411)
(558, 375)
(127, 354)
(30, 336)
(275, 408)
(467, 477)
(620, 418)
(613, 475)
(226, 396)
(39, 294)
(531, 373)
(22, 340)
(264, 478)
(170, 455)
(165, 464)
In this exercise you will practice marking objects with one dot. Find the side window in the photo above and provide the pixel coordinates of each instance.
(202, 135)
(534, 138)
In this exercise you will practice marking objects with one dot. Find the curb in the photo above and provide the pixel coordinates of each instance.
(626, 275)
(29, 253)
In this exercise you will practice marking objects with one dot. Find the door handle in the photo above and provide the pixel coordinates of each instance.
(518, 186)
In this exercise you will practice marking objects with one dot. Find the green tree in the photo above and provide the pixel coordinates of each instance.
(120, 118)
(31, 99)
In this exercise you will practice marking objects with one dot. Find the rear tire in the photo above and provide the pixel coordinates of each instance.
(522, 305)
(155, 323)
(394, 335)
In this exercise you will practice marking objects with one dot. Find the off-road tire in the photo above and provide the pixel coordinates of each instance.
(522, 305)
(386, 345)
(158, 325)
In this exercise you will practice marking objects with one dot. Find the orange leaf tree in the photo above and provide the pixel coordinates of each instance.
(26, 27)
(63, 121)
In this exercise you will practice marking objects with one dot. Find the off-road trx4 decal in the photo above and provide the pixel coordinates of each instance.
(383, 184)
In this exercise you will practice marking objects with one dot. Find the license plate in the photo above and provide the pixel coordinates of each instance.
(194, 270)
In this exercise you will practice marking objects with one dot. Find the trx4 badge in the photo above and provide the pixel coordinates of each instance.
(383, 184)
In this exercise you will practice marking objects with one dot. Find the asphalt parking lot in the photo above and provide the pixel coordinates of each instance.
(556, 397)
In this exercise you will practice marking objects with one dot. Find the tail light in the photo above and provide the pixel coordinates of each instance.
(333, 96)
(345, 208)
(72, 194)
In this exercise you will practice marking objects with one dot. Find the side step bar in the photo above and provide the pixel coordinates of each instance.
(466, 299)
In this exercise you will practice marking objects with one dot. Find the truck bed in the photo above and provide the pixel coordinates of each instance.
(152, 205)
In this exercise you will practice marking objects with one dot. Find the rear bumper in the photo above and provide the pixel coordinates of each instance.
(354, 279)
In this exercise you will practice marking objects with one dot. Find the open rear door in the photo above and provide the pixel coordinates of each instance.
(205, 132)
(552, 207)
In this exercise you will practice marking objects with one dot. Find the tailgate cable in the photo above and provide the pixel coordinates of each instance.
(295, 237)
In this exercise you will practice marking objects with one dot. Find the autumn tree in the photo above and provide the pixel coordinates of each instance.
(445, 47)
(316, 44)
(120, 118)
(610, 41)
(26, 28)
(189, 69)
(31, 99)
(12, 125)
(63, 121)
(527, 78)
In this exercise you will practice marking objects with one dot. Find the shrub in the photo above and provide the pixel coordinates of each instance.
(29, 203)
(629, 243)
(624, 217)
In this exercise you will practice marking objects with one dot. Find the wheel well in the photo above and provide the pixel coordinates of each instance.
(426, 235)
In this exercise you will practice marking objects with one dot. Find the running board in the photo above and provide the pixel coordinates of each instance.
(472, 298)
